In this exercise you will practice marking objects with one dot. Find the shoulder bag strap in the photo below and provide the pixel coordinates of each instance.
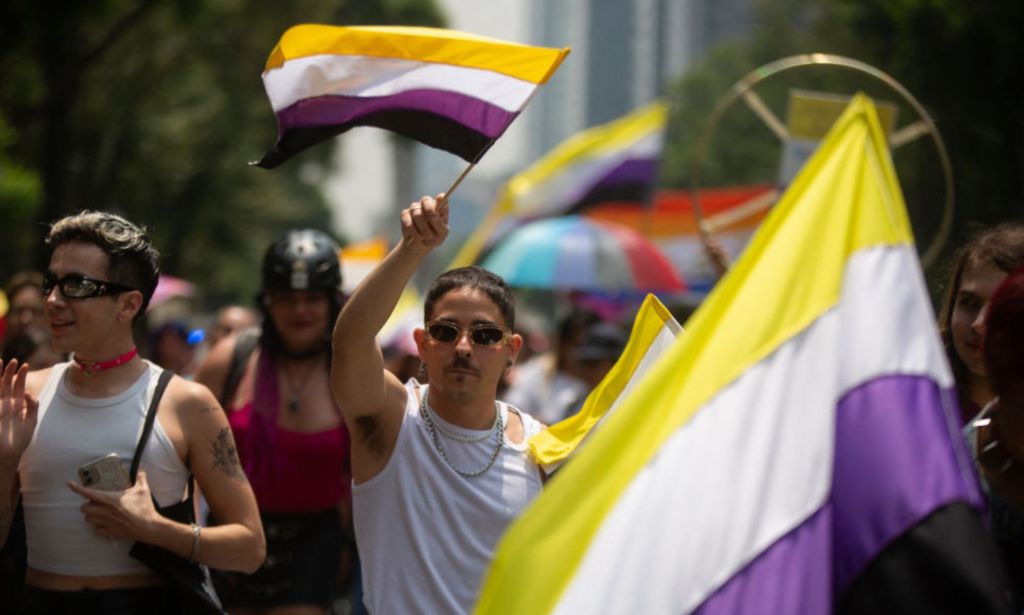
(147, 428)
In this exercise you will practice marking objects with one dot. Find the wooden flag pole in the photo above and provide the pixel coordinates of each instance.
(458, 180)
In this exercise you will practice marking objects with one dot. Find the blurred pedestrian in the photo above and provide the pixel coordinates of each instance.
(174, 347)
(25, 302)
(230, 320)
(291, 437)
(34, 347)
(549, 385)
(978, 268)
(996, 435)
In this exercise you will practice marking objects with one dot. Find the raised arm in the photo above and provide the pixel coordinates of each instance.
(371, 398)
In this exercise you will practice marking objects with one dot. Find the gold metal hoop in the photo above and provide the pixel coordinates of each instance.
(744, 88)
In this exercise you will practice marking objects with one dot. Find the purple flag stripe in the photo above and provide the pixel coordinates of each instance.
(792, 576)
(439, 132)
(896, 461)
(473, 113)
(634, 175)
(630, 171)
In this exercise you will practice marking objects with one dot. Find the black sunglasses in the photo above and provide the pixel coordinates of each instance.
(78, 286)
(481, 335)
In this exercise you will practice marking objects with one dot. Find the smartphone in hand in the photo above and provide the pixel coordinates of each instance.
(106, 473)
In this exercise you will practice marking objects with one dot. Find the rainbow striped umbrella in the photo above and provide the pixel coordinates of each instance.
(573, 252)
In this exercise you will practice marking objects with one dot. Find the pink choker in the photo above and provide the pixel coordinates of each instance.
(91, 367)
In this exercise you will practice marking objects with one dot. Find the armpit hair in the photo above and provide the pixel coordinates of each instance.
(368, 430)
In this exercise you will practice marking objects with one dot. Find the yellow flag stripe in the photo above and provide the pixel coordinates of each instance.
(845, 199)
(534, 64)
(592, 143)
(555, 444)
(587, 145)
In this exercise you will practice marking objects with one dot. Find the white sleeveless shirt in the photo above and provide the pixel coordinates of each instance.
(425, 533)
(74, 430)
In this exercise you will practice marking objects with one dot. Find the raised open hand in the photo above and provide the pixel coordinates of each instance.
(18, 412)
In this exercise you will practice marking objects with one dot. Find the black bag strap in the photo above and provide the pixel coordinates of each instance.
(245, 343)
(147, 427)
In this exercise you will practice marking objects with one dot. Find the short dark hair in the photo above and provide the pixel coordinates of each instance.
(134, 262)
(475, 277)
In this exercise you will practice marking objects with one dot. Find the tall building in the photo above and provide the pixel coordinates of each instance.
(625, 54)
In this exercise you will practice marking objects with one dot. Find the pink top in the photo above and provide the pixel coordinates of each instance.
(290, 471)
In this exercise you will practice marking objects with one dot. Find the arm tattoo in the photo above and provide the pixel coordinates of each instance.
(225, 455)
(209, 409)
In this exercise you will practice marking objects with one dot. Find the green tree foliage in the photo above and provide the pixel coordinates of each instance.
(153, 109)
(962, 60)
(19, 194)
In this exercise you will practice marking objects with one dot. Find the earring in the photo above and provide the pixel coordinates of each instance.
(421, 374)
(508, 363)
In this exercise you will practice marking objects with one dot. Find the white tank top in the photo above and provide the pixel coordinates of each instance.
(74, 430)
(425, 533)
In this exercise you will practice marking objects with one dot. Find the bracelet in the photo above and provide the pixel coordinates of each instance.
(196, 530)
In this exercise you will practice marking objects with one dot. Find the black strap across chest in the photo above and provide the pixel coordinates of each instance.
(147, 426)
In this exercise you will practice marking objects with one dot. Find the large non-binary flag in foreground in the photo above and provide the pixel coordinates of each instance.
(448, 89)
(617, 161)
(796, 451)
(654, 331)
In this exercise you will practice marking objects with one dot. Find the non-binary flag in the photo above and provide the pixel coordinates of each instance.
(617, 161)
(799, 451)
(654, 331)
(448, 89)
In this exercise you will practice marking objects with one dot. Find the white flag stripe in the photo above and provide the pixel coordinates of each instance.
(367, 76)
(555, 193)
(659, 345)
(763, 447)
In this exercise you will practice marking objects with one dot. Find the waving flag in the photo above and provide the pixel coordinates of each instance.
(794, 452)
(654, 331)
(617, 161)
(453, 91)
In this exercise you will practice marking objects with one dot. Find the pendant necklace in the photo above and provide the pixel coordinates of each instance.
(295, 392)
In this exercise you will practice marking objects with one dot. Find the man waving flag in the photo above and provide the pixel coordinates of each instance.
(795, 452)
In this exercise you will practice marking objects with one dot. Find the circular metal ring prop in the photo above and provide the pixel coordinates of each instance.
(744, 88)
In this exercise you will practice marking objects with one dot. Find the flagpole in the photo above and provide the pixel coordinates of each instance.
(458, 180)
(465, 172)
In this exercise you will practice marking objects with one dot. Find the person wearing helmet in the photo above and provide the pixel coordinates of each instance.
(291, 438)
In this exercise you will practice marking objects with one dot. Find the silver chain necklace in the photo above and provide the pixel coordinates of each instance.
(432, 428)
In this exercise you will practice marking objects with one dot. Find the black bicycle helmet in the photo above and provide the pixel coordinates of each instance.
(303, 259)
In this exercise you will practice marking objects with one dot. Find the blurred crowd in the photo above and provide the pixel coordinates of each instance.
(269, 366)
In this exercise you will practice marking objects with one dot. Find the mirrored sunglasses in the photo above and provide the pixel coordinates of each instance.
(480, 335)
(78, 286)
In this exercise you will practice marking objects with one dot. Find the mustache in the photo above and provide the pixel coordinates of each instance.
(462, 363)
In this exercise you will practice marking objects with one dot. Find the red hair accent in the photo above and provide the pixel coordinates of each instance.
(1004, 333)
